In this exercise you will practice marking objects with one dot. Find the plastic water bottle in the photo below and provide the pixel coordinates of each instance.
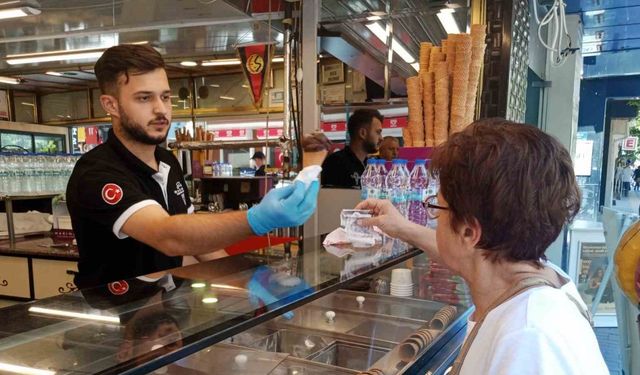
(432, 189)
(418, 181)
(365, 179)
(382, 181)
(396, 184)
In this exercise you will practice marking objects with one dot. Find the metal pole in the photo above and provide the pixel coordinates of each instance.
(8, 206)
(389, 61)
(285, 140)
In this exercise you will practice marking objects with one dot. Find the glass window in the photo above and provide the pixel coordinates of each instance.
(180, 94)
(25, 107)
(65, 106)
(21, 140)
(223, 91)
(49, 143)
(98, 111)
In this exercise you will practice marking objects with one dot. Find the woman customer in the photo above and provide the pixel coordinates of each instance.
(506, 191)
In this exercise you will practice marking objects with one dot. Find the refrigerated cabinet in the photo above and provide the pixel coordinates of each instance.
(303, 311)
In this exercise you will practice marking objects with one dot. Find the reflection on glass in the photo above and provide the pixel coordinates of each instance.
(65, 106)
(25, 107)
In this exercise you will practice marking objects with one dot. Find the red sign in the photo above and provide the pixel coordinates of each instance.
(229, 133)
(273, 133)
(118, 288)
(262, 6)
(630, 144)
(338, 126)
(394, 122)
(256, 64)
(388, 123)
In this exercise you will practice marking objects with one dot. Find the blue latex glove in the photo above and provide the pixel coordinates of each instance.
(264, 290)
(284, 207)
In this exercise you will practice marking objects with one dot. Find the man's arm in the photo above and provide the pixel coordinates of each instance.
(186, 234)
(288, 206)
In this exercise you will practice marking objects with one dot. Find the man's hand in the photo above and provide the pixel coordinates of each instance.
(316, 142)
(288, 206)
(387, 217)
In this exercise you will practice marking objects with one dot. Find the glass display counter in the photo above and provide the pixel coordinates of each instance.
(307, 311)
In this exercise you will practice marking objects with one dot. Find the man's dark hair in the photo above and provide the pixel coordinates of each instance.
(125, 59)
(362, 118)
(515, 180)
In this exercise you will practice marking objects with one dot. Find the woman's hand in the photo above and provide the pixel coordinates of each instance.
(386, 217)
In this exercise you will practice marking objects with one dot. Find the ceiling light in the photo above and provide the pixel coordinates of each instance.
(188, 63)
(57, 74)
(209, 300)
(38, 58)
(19, 8)
(60, 55)
(592, 13)
(221, 62)
(377, 30)
(227, 98)
(198, 285)
(214, 85)
(24, 370)
(445, 16)
(9, 80)
(374, 18)
(71, 314)
(228, 62)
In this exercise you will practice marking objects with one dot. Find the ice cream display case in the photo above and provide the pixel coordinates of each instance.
(299, 309)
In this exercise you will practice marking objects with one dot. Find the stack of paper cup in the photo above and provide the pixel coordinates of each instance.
(401, 283)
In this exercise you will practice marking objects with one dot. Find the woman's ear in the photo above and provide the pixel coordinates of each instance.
(471, 232)
(110, 105)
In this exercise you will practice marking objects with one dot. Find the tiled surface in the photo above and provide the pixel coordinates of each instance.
(608, 341)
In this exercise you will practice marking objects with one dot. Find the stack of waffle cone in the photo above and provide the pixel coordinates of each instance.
(478, 46)
(441, 103)
(460, 83)
(414, 102)
(436, 57)
(428, 107)
(425, 54)
(450, 52)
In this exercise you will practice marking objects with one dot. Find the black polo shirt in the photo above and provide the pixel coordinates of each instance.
(342, 169)
(107, 186)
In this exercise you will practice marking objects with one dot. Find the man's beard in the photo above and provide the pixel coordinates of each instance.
(370, 147)
(136, 131)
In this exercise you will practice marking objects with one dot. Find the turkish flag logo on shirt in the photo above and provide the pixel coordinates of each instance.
(118, 288)
(112, 194)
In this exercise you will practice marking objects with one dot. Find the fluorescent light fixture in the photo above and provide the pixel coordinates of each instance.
(71, 314)
(9, 80)
(227, 98)
(221, 62)
(19, 8)
(209, 300)
(445, 16)
(592, 13)
(60, 55)
(229, 62)
(24, 370)
(198, 285)
(377, 30)
(17, 60)
(416, 66)
(188, 63)
(56, 74)
(374, 18)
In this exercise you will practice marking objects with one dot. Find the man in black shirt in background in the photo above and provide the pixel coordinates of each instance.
(344, 168)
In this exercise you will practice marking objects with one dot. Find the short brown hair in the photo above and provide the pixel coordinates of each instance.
(125, 59)
(515, 180)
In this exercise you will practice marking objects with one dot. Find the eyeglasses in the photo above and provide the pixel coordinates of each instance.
(431, 204)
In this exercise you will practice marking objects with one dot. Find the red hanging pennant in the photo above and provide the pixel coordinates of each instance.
(256, 65)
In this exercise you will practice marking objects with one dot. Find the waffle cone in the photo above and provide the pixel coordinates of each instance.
(441, 103)
(313, 157)
(428, 92)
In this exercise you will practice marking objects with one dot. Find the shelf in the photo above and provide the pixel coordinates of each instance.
(28, 196)
(216, 145)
